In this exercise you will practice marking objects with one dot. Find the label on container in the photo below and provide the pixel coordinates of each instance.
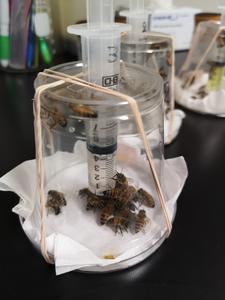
(176, 22)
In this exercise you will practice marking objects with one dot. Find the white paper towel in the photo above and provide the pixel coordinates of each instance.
(178, 116)
(74, 238)
(213, 103)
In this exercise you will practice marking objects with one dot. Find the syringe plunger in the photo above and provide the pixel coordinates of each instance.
(137, 5)
(100, 12)
(137, 16)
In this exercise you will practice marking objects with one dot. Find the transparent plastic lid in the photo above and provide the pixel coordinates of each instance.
(135, 81)
(154, 41)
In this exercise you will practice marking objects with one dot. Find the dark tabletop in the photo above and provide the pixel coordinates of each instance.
(189, 265)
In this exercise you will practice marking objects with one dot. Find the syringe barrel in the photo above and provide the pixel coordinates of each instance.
(101, 146)
(101, 58)
(138, 22)
(102, 135)
(137, 16)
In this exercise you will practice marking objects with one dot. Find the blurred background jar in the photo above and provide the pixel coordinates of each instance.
(206, 16)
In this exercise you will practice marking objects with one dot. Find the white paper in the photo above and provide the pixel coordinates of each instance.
(74, 238)
(178, 116)
(213, 103)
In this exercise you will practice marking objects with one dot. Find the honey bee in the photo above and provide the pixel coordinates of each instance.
(121, 196)
(156, 46)
(114, 193)
(93, 201)
(84, 192)
(169, 58)
(107, 213)
(125, 198)
(202, 92)
(163, 73)
(55, 201)
(145, 198)
(141, 220)
(221, 40)
(120, 222)
(167, 92)
(54, 116)
(121, 180)
(83, 110)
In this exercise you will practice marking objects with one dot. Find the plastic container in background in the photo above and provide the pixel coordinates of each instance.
(154, 51)
(200, 85)
(206, 16)
(30, 35)
(151, 51)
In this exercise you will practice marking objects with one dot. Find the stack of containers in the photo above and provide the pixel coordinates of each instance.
(200, 85)
(154, 51)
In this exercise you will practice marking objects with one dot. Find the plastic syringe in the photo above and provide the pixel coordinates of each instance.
(137, 16)
(100, 39)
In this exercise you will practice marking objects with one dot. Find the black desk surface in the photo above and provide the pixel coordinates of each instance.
(189, 265)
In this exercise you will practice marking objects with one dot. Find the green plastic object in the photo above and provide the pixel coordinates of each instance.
(45, 51)
(4, 47)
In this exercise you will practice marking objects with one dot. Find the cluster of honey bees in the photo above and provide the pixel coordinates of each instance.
(119, 207)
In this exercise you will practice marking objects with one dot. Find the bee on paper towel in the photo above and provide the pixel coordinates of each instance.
(145, 198)
(93, 201)
(141, 220)
(120, 222)
(107, 213)
(125, 198)
(55, 201)
(121, 180)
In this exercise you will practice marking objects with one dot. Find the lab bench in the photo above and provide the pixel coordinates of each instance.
(189, 265)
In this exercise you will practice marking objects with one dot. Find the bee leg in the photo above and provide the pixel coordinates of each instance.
(89, 207)
(121, 230)
(53, 124)
(126, 228)
(57, 210)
